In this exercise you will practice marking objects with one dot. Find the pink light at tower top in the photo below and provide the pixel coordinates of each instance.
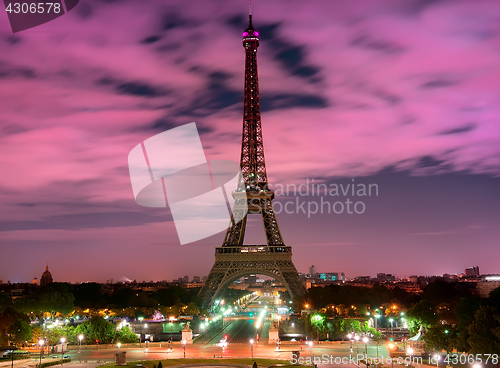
(245, 34)
(256, 33)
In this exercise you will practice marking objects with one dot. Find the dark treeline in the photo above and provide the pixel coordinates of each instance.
(452, 317)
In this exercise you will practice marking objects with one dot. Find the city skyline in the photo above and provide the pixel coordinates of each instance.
(401, 96)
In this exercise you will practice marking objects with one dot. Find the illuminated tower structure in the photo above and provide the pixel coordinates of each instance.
(233, 259)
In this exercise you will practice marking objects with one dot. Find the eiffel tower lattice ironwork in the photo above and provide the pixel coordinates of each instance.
(253, 196)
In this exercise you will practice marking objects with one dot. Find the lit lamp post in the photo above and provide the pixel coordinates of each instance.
(171, 326)
(80, 338)
(41, 350)
(251, 346)
(392, 329)
(184, 347)
(357, 348)
(349, 336)
(140, 330)
(410, 352)
(311, 346)
(63, 340)
(377, 316)
(437, 357)
(119, 344)
(391, 348)
(365, 340)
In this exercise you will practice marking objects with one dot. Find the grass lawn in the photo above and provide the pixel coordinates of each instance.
(245, 361)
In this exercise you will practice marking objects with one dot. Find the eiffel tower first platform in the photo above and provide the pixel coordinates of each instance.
(233, 259)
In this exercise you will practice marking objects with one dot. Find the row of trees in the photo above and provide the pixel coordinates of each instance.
(470, 324)
(17, 328)
(318, 325)
(452, 317)
(63, 298)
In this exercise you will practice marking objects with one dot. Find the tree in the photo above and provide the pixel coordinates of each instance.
(7, 319)
(483, 331)
(97, 328)
(124, 335)
(422, 313)
(54, 301)
(192, 309)
(20, 332)
(440, 337)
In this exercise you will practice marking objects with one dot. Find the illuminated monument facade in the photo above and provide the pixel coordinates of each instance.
(233, 259)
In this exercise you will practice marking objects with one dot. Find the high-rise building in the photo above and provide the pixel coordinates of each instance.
(312, 270)
(196, 278)
(185, 279)
(472, 271)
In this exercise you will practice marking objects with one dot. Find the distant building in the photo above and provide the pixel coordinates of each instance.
(331, 276)
(386, 277)
(46, 277)
(250, 279)
(35, 281)
(312, 270)
(487, 285)
(185, 279)
(472, 271)
(196, 279)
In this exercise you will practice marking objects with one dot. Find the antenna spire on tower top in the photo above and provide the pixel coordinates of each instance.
(249, 7)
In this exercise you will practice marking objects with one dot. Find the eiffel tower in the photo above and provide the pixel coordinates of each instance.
(252, 196)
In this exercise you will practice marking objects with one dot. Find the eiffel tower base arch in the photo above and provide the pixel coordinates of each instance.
(231, 263)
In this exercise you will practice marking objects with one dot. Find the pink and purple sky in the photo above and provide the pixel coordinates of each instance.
(403, 94)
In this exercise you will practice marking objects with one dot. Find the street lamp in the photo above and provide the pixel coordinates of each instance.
(365, 340)
(349, 336)
(251, 346)
(80, 338)
(311, 346)
(357, 348)
(410, 352)
(171, 326)
(392, 329)
(184, 346)
(437, 360)
(119, 344)
(377, 316)
(391, 347)
(41, 350)
(63, 340)
(140, 330)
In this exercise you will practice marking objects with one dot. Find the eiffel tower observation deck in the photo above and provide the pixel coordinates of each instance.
(234, 260)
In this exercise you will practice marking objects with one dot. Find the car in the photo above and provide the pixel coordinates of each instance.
(66, 357)
(54, 357)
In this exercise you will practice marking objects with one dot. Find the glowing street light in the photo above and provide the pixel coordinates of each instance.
(63, 340)
(391, 348)
(438, 357)
(365, 340)
(172, 318)
(41, 342)
(357, 348)
(80, 338)
(184, 346)
(251, 346)
(410, 353)
(140, 330)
